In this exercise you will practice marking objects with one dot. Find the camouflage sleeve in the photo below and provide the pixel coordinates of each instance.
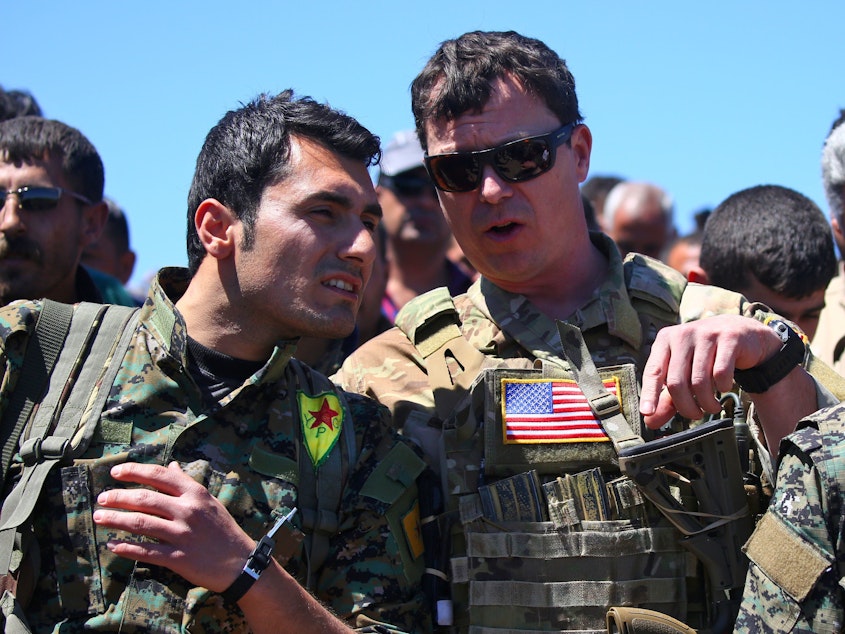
(389, 369)
(17, 321)
(793, 578)
(372, 576)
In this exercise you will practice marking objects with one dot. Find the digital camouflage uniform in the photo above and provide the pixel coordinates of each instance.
(618, 324)
(245, 450)
(795, 579)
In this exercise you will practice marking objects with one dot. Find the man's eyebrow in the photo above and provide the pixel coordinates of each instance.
(344, 201)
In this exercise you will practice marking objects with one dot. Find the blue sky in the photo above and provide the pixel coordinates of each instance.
(703, 99)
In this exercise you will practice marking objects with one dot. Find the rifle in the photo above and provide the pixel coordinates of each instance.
(707, 460)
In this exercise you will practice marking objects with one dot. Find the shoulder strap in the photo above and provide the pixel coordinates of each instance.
(434, 327)
(320, 489)
(88, 362)
(40, 357)
(604, 404)
(655, 291)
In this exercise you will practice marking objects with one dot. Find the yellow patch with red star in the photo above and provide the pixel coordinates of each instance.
(322, 419)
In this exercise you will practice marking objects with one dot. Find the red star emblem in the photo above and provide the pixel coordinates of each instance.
(323, 416)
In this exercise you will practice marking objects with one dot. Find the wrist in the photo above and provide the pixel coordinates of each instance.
(763, 376)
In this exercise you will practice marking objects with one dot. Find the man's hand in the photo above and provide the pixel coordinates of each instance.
(690, 363)
(189, 531)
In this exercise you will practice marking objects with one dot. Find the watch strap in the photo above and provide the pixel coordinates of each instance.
(256, 563)
(761, 377)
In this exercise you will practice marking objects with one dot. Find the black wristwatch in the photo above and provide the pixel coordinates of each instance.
(256, 563)
(763, 376)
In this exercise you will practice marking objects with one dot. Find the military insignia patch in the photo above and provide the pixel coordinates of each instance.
(550, 411)
(322, 418)
(413, 534)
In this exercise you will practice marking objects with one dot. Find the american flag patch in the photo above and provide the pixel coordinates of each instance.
(550, 411)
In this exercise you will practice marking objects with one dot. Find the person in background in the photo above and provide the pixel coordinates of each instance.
(51, 183)
(829, 342)
(639, 218)
(110, 260)
(772, 245)
(683, 253)
(595, 189)
(17, 103)
(223, 430)
(482, 380)
(418, 236)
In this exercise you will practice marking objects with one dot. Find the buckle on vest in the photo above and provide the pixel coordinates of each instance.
(605, 405)
(37, 450)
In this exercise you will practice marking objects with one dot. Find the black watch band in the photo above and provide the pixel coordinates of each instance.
(256, 563)
(761, 377)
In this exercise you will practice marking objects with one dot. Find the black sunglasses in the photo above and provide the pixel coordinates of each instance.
(516, 161)
(39, 198)
(407, 184)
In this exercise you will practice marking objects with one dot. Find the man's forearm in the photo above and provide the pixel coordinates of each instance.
(277, 603)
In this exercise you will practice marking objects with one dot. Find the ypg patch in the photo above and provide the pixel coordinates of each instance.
(549, 411)
(322, 419)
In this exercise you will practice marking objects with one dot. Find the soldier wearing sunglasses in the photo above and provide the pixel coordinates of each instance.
(51, 201)
(418, 236)
(539, 532)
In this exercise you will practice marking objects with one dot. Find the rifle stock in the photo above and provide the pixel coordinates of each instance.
(707, 460)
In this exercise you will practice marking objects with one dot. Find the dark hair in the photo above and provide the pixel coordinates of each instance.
(249, 148)
(458, 77)
(773, 233)
(117, 226)
(17, 103)
(24, 139)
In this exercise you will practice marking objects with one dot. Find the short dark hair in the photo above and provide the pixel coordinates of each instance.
(117, 226)
(24, 139)
(17, 103)
(458, 77)
(773, 233)
(249, 148)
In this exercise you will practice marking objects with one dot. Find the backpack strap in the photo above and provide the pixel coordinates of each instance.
(40, 357)
(98, 335)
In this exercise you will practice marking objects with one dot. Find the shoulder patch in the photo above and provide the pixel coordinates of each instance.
(423, 309)
(650, 280)
(322, 419)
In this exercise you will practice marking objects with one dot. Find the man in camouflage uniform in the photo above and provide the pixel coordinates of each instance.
(794, 581)
(216, 422)
(498, 117)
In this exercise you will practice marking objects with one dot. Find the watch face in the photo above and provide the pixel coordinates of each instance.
(781, 329)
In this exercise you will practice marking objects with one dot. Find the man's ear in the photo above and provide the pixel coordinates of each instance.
(697, 274)
(215, 224)
(127, 265)
(582, 144)
(93, 222)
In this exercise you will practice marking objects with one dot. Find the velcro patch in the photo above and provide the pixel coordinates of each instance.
(792, 563)
(411, 528)
(550, 411)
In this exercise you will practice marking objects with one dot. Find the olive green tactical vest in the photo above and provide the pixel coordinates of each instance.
(546, 534)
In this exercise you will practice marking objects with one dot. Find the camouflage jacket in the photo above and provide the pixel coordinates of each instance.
(245, 450)
(619, 324)
(794, 582)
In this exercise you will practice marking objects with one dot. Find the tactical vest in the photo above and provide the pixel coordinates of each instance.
(545, 533)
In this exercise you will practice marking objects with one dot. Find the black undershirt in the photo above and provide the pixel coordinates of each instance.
(216, 373)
